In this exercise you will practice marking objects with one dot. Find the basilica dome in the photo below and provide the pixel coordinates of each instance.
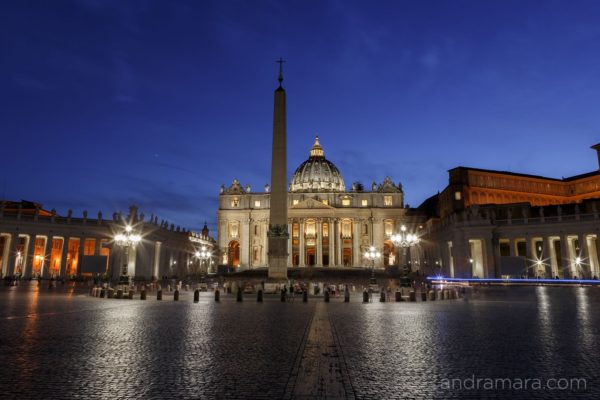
(317, 174)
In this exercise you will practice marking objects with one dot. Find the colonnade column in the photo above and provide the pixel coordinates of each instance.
(98, 246)
(63, 258)
(12, 255)
(597, 271)
(565, 261)
(331, 238)
(545, 257)
(47, 260)
(492, 253)
(319, 261)
(29, 252)
(584, 257)
(301, 249)
(529, 257)
(80, 254)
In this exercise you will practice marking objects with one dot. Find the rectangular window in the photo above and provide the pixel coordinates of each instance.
(235, 202)
(325, 201)
(345, 202)
(457, 195)
(295, 230)
(257, 203)
(325, 229)
(364, 202)
(294, 202)
(387, 200)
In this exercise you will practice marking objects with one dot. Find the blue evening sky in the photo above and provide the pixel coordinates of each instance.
(105, 103)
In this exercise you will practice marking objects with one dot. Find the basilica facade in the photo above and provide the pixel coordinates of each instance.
(328, 225)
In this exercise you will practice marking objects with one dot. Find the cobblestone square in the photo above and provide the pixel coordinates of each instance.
(64, 344)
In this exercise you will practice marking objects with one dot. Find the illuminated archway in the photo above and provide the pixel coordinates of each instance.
(233, 254)
(389, 253)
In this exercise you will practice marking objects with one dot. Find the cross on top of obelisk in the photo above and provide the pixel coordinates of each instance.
(280, 62)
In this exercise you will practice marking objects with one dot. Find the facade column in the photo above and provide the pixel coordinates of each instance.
(63, 258)
(331, 238)
(245, 244)
(290, 243)
(301, 249)
(265, 242)
(356, 261)
(319, 261)
(378, 240)
(339, 242)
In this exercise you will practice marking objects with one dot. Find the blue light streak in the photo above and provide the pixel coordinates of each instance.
(513, 280)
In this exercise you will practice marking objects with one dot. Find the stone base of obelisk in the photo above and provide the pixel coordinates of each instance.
(277, 268)
(278, 257)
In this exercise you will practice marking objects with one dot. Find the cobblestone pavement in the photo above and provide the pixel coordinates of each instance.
(67, 345)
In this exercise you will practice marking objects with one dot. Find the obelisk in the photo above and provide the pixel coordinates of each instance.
(278, 228)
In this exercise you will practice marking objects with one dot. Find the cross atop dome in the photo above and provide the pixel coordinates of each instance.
(317, 150)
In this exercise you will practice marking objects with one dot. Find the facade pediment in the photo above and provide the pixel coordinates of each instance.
(311, 203)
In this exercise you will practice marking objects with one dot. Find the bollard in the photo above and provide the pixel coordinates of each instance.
(282, 296)
(176, 295)
(143, 294)
(365, 297)
(187, 287)
(239, 295)
(159, 294)
(102, 293)
(445, 294)
(438, 294)
(130, 295)
(196, 296)
(119, 293)
(431, 295)
(347, 296)
(326, 296)
(259, 296)
(93, 291)
(217, 295)
(398, 295)
(423, 296)
(305, 296)
(412, 296)
(382, 297)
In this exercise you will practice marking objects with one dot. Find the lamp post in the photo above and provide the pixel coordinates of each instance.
(372, 254)
(404, 239)
(203, 255)
(127, 239)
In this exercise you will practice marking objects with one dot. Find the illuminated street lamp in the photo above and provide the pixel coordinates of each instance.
(372, 254)
(203, 254)
(404, 239)
(127, 239)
